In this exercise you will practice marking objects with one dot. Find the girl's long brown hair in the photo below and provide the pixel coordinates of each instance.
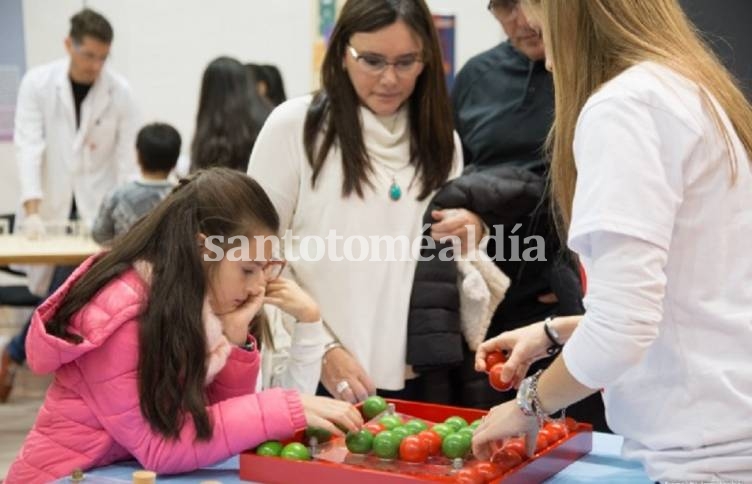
(333, 118)
(592, 41)
(172, 339)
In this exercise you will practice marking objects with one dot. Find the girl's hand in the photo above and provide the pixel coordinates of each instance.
(459, 223)
(292, 299)
(524, 345)
(330, 414)
(505, 420)
(236, 321)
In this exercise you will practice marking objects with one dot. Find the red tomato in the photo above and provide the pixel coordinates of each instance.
(516, 445)
(506, 459)
(493, 358)
(432, 440)
(571, 424)
(541, 442)
(468, 476)
(494, 378)
(413, 449)
(551, 435)
(488, 470)
(558, 429)
(374, 427)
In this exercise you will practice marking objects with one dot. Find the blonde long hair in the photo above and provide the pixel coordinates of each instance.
(592, 41)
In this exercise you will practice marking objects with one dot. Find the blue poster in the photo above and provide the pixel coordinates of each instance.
(445, 26)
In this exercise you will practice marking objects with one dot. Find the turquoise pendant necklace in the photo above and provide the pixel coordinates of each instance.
(395, 192)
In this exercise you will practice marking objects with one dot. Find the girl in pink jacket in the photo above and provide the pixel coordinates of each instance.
(151, 346)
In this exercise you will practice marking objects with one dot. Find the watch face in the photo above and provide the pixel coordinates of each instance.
(524, 398)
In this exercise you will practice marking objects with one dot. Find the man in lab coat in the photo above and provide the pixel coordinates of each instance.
(74, 136)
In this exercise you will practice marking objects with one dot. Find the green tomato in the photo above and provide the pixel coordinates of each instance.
(359, 442)
(373, 406)
(295, 451)
(269, 448)
(455, 445)
(401, 432)
(386, 445)
(322, 435)
(456, 422)
(467, 433)
(390, 421)
(443, 430)
(416, 426)
(475, 424)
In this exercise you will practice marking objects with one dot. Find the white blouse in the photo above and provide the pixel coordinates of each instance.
(365, 302)
(664, 236)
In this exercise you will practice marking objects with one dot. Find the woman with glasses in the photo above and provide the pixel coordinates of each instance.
(353, 167)
(652, 178)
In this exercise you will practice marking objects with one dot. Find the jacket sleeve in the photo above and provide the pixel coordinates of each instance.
(500, 195)
(239, 423)
(28, 137)
(238, 377)
(103, 230)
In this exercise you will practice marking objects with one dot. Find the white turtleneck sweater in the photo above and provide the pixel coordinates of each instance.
(364, 303)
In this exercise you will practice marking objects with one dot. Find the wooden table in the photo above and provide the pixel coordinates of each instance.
(55, 250)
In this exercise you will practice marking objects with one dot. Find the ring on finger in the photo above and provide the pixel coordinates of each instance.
(342, 386)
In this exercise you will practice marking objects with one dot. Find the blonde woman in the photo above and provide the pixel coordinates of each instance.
(651, 175)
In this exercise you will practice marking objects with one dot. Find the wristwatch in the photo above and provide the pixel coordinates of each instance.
(528, 400)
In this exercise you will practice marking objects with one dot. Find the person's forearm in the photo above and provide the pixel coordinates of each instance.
(565, 326)
(31, 206)
(309, 315)
(558, 389)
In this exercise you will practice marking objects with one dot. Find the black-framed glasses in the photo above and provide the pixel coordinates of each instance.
(375, 65)
(504, 9)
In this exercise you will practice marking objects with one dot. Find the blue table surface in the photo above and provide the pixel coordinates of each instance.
(603, 464)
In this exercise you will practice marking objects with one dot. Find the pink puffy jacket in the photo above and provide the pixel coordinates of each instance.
(91, 415)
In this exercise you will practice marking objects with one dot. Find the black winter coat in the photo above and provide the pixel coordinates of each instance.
(499, 195)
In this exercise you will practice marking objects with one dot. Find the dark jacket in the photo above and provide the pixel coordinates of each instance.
(501, 196)
(503, 109)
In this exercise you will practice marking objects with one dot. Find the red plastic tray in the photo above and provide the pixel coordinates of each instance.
(544, 465)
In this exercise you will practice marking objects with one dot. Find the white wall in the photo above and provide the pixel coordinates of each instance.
(163, 46)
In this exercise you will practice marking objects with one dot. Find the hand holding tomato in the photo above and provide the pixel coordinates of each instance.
(523, 346)
(502, 421)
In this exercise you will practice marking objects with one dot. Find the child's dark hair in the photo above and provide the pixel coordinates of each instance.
(89, 23)
(172, 340)
(158, 146)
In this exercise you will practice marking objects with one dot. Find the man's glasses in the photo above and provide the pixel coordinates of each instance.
(374, 64)
(89, 56)
(505, 10)
(273, 269)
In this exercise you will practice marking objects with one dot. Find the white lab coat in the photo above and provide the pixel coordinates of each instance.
(56, 161)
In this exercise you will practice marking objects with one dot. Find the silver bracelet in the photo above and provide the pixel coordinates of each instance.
(331, 346)
(328, 347)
